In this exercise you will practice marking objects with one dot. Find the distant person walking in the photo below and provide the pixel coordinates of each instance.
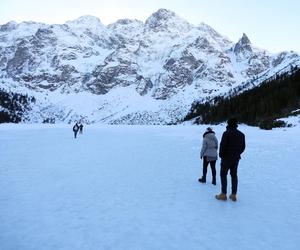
(75, 129)
(209, 153)
(231, 147)
(80, 128)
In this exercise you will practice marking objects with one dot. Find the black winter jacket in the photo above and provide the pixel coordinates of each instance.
(232, 144)
(75, 128)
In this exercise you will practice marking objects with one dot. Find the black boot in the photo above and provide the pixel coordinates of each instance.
(202, 179)
(214, 181)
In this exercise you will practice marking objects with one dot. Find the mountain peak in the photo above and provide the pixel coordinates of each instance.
(8, 26)
(243, 45)
(245, 39)
(86, 20)
(164, 20)
(163, 14)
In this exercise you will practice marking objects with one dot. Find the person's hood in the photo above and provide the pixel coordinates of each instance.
(210, 135)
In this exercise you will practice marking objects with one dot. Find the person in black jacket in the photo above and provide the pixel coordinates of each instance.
(231, 147)
(75, 129)
(80, 128)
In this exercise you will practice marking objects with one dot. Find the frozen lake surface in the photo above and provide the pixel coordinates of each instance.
(135, 187)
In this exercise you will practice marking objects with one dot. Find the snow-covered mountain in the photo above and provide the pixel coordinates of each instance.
(129, 71)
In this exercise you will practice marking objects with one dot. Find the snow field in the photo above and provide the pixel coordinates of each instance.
(135, 187)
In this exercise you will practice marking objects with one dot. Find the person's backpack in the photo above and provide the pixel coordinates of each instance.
(75, 128)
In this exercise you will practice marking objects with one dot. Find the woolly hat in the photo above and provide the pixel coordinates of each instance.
(209, 129)
(232, 123)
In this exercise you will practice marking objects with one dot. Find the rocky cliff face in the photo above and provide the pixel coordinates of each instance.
(152, 70)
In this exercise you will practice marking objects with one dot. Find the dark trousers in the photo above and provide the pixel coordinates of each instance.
(75, 133)
(213, 168)
(232, 166)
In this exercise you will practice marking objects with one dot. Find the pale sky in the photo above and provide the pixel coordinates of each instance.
(270, 24)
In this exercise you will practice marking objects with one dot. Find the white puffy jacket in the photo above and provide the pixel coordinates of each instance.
(209, 145)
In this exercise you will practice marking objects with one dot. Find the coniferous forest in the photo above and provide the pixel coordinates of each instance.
(13, 106)
(259, 106)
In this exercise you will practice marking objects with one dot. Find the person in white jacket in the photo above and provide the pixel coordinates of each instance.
(209, 154)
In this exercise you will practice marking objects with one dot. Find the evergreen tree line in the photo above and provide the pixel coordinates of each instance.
(259, 106)
(13, 106)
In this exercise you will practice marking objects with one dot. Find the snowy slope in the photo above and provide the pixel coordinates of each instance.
(135, 187)
(128, 71)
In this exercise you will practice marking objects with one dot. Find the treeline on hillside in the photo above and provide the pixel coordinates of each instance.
(13, 106)
(260, 106)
